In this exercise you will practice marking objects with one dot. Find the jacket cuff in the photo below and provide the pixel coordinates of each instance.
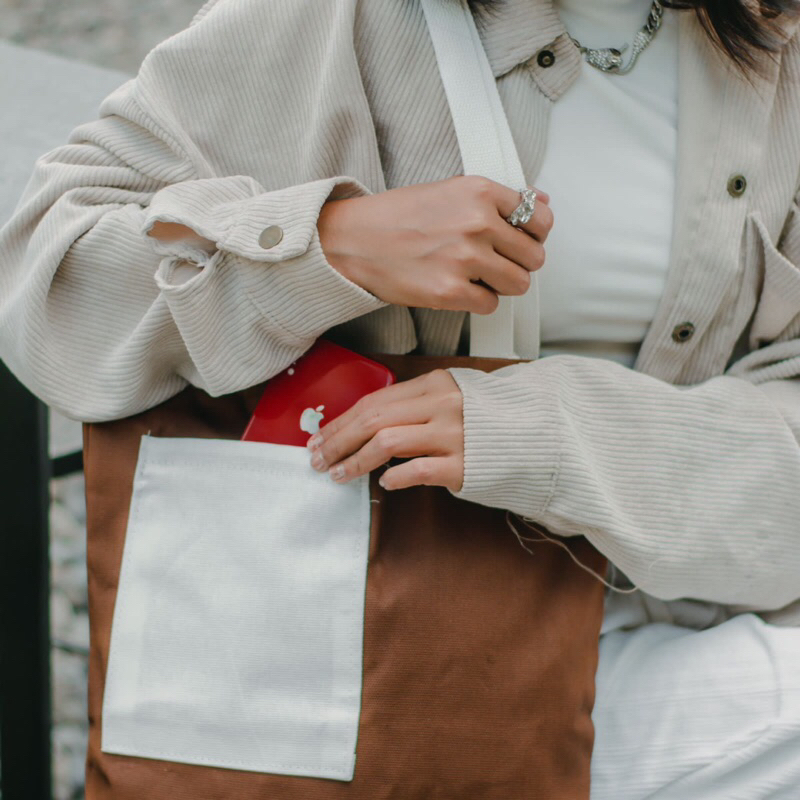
(292, 282)
(233, 212)
(512, 449)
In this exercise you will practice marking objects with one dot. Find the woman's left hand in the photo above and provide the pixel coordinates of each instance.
(421, 419)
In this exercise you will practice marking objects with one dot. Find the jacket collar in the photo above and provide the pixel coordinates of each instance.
(514, 30)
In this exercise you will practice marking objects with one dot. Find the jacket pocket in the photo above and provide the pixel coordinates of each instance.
(238, 626)
(778, 312)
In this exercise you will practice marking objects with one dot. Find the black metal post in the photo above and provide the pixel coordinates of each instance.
(25, 703)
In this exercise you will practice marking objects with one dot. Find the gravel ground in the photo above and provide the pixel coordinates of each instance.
(115, 34)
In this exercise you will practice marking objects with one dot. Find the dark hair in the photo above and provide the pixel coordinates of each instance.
(745, 30)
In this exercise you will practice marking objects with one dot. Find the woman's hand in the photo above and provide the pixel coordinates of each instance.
(440, 245)
(421, 419)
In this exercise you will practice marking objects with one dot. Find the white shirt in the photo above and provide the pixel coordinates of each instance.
(610, 170)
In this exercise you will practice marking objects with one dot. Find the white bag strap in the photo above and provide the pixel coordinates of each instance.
(488, 149)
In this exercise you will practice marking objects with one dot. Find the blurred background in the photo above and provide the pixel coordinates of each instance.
(109, 33)
(58, 59)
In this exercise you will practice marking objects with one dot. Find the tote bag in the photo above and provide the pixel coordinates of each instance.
(260, 632)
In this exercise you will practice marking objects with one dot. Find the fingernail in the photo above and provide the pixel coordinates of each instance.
(314, 442)
(318, 461)
(382, 482)
(337, 473)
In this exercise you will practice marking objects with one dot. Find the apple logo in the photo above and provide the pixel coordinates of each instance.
(310, 419)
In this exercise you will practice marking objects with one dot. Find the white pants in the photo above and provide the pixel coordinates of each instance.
(698, 715)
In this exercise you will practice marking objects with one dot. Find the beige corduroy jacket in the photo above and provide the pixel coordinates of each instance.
(685, 470)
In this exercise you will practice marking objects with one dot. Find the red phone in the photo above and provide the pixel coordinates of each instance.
(317, 388)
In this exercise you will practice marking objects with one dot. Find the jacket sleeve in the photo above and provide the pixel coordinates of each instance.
(100, 320)
(693, 491)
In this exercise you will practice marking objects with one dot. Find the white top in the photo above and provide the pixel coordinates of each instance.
(610, 170)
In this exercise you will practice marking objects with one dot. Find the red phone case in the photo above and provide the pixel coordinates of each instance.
(317, 388)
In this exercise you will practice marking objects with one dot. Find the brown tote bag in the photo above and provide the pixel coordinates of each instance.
(479, 658)
(473, 659)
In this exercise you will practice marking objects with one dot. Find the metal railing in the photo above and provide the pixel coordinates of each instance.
(25, 685)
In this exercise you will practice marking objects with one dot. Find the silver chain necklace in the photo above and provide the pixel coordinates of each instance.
(609, 59)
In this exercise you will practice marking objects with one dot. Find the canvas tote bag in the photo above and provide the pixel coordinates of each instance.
(260, 632)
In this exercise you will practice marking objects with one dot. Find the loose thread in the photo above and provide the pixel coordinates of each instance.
(543, 537)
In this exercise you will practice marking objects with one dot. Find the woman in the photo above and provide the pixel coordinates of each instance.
(207, 234)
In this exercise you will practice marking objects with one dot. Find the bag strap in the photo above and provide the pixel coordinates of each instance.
(488, 149)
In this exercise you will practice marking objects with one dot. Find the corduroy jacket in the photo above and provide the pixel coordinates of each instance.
(684, 470)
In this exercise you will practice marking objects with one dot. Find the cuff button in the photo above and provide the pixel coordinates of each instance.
(270, 237)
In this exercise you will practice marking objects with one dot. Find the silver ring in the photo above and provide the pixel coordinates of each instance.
(524, 211)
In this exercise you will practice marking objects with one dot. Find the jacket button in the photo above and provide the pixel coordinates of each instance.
(737, 185)
(683, 332)
(546, 58)
(270, 237)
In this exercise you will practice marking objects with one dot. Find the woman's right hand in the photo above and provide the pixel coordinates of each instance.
(444, 245)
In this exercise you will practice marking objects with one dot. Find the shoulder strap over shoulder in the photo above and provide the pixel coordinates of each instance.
(488, 149)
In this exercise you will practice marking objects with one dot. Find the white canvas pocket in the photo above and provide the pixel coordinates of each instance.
(238, 626)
